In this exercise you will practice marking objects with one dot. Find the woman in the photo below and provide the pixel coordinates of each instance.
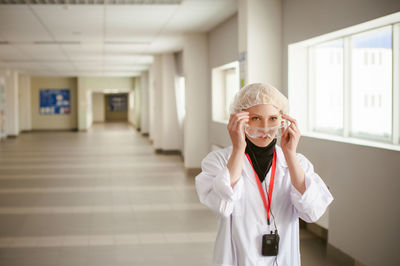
(258, 189)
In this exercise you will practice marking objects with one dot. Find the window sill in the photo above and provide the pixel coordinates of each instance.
(368, 143)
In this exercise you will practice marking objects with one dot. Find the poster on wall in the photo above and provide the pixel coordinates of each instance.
(55, 101)
(118, 103)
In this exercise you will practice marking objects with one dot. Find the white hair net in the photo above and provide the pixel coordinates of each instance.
(258, 93)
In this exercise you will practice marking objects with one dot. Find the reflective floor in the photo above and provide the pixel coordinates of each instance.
(103, 197)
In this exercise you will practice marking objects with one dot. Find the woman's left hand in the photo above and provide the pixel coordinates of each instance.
(290, 137)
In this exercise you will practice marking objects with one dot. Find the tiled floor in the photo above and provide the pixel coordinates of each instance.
(104, 197)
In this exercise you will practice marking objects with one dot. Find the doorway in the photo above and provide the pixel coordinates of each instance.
(116, 107)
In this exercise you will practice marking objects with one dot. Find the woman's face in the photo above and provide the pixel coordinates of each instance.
(263, 116)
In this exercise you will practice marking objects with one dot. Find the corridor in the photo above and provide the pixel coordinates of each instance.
(104, 198)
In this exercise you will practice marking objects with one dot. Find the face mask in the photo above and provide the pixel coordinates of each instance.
(264, 132)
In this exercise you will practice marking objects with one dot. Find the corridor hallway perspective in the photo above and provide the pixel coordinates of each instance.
(104, 197)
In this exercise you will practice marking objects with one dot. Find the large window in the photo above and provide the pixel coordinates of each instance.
(347, 83)
(371, 84)
(328, 86)
(225, 84)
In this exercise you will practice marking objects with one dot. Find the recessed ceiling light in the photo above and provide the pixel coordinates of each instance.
(126, 43)
(57, 42)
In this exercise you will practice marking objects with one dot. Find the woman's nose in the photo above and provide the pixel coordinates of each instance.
(264, 124)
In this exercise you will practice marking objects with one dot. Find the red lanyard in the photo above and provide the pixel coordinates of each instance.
(271, 185)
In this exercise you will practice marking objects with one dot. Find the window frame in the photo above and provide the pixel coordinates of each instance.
(220, 99)
(300, 81)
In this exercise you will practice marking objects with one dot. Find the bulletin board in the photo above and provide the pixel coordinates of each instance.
(55, 102)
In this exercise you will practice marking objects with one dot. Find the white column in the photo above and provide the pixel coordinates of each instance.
(25, 115)
(138, 103)
(144, 114)
(170, 126)
(151, 102)
(195, 63)
(11, 102)
(260, 41)
(156, 119)
(82, 105)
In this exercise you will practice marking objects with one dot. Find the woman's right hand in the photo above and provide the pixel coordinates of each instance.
(236, 130)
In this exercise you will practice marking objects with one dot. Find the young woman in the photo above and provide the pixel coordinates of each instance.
(257, 189)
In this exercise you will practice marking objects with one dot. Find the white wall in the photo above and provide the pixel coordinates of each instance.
(144, 111)
(137, 104)
(195, 62)
(170, 126)
(364, 217)
(223, 49)
(151, 102)
(260, 35)
(131, 108)
(25, 119)
(11, 102)
(88, 85)
(98, 107)
(156, 103)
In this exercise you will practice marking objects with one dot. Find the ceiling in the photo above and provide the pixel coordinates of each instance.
(101, 37)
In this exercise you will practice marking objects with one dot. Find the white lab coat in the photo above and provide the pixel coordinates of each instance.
(241, 214)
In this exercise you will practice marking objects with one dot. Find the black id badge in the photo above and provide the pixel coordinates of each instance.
(270, 244)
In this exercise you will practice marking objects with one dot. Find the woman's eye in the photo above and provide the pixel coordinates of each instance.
(255, 118)
(274, 118)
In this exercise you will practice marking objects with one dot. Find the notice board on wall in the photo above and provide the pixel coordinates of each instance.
(54, 102)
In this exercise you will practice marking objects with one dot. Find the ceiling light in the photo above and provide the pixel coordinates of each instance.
(126, 43)
(57, 42)
(91, 2)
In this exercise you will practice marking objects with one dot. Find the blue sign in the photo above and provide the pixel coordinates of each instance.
(55, 102)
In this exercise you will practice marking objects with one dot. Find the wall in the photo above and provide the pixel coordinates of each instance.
(156, 104)
(263, 41)
(2, 108)
(195, 64)
(98, 107)
(170, 126)
(131, 108)
(138, 102)
(25, 121)
(151, 102)
(88, 85)
(144, 111)
(53, 122)
(223, 49)
(11, 103)
(364, 217)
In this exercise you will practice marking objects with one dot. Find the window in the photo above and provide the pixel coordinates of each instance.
(371, 84)
(328, 87)
(346, 84)
(225, 84)
(180, 99)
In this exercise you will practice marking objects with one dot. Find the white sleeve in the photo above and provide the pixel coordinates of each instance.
(314, 201)
(213, 185)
